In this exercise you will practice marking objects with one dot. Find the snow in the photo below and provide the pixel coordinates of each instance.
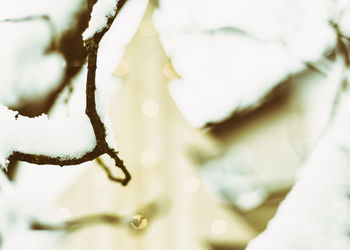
(321, 38)
(101, 11)
(315, 214)
(243, 73)
(266, 20)
(344, 22)
(231, 54)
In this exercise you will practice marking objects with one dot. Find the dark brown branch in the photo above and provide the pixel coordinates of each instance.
(92, 45)
(107, 171)
(25, 19)
(148, 213)
(312, 67)
(61, 161)
(340, 43)
(102, 146)
(79, 223)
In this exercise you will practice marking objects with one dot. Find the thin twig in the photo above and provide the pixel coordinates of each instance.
(106, 170)
(45, 18)
(79, 223)
(26, 19)
(343, 53)
(340, 44)
(147, 213)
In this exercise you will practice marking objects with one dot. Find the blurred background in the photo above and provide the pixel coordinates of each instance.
(214, 188)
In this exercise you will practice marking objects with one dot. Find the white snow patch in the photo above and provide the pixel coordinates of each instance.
(101, 11)
(221, 74)
(230, 54)
(344, 22)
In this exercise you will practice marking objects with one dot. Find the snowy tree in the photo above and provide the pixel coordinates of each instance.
(230, 57)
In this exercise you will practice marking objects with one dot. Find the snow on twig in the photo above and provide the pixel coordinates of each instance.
(102, 11)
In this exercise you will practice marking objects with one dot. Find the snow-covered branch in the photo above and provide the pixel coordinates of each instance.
(67, 140)
(232, 55)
